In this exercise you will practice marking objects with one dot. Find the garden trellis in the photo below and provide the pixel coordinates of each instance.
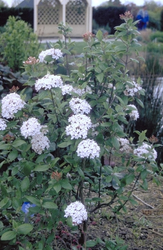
(49, 13)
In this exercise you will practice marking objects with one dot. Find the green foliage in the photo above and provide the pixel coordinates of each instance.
(2, 29)
(18, 43)
(2, 4)
(155, 48)
(96, 27)
(10, 79)
(157, 36)
(58, 176)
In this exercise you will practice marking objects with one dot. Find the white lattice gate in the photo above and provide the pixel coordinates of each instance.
(49, 13)
(76, 16)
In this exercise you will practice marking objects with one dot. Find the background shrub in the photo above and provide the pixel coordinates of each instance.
(25, 14)
(157, 36)
(154, 47)
(106, 16)
(18, 42)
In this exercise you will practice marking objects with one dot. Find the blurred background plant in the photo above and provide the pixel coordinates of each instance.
(17, 43)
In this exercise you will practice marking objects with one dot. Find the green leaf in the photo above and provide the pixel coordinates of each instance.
(41, 168)
(4, 146)
(129, 178)
(18, 143)
(100, 77)
(144, 174)
(4, 202)
(3, 190)
(90, 243)
(13, 155)
(8, 235)
(115, 142)
(33, 200)
(65, 144)
(140, 102)
(57, 187)
(134, 60)
(1, 225)
(65, 184)
(21, 248)
(25, 184)
(99, 35)
(142, 136)
(145, 184)
(49, 205)
(80, 171)
(25, 228)
(133, 201)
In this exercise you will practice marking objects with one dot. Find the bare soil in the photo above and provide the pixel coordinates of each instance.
(141, 227)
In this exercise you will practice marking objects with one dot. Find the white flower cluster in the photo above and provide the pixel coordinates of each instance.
(3, 124)
(79, 106)
(79, 126)
(11, 104)
(30, 128)
(124, 145)
(66, 89)
(88, 148)
(40, 142)
(76, 210)
(132, 88)
(146, 151)
(48, 82)
(55, 53)
(134, 114)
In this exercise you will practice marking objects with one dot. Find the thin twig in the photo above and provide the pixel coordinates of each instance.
(156, 232)
(142, 201)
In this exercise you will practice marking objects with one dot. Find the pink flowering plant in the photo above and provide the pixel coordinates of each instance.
(64, 132)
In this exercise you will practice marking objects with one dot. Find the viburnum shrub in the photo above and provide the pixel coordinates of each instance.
(58, 146)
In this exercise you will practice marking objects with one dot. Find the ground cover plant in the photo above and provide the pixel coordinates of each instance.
(66, 144)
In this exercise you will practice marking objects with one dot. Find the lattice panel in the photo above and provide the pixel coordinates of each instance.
(48, 12)
(76, 12)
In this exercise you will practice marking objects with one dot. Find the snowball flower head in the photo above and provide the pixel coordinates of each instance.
(11, 104)
(48, 82)
(66, 89)
(40, 142)
(55, 53)
(79, 106)
(88, 148)
(79, 126)
(124, 145)
(31, 127)
(132, 88)
(134, 114)
(146, 151)
(3, 124)
(76, 210)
